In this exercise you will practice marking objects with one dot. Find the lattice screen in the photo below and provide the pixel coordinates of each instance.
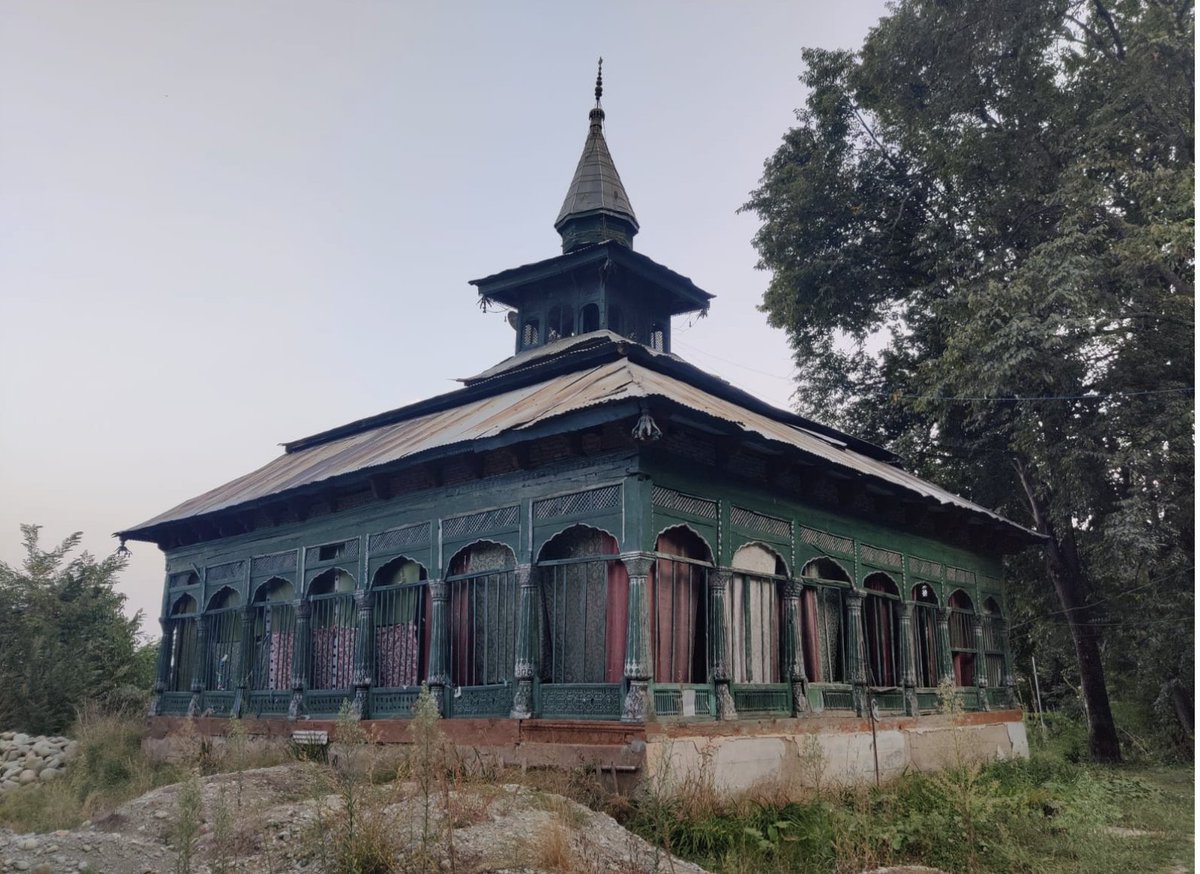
(669, 499)
(279, 563)
(826, 542)
(459, 527)
(578, 503)
(401, 538)
(229, 571)
(748, 519)
(882, 557)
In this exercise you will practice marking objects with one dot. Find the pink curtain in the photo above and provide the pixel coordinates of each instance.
(617, 619)
(676, 606)
(333, 657)
(279, 660)
(397, 654)
(811, 631)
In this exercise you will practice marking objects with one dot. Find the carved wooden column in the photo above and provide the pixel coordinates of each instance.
(439, 642)
(981, 680)
(364, 645)
(527, 643)
(639, 657)
(300, 650)
(245, 659)
(199, 664)
(944, 653)
(793, 645)
(907, 659)
(163, 670)
(718, 641)
(855, 650)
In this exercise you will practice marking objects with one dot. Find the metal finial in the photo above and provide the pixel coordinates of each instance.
(599, 80)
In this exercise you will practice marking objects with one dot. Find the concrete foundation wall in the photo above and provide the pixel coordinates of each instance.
(787, 754)
(779, 755)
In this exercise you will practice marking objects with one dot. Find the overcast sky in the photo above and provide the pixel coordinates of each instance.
(224, 225)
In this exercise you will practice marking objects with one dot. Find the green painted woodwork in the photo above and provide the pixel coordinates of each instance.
(527, 643)
(767, 699)
(684, 700)
(718, 643)
(637, 704)
(578, 700)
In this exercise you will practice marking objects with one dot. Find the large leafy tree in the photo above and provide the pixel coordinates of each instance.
(64, 638)
(980, 235)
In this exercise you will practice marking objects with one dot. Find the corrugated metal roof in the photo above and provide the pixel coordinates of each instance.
(523, 408)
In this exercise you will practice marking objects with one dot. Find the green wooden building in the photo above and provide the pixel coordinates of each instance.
(593, 529)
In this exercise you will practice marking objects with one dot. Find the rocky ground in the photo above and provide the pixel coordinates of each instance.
(27, 758)
(286, 818)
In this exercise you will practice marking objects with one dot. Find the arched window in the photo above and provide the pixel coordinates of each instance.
(615, 322)
(755, 615)
(560, 322)
(926, 642)
(182, 625)
(993, 643)
(881, 630)
(679, 614)
(224, 640)
(531, 333)
(584, 591)
(483, 614)
(400, 607)
(823, 608)
(333, 630)
(274, 636)
(962, 638)
(589, 318)
(658, 337)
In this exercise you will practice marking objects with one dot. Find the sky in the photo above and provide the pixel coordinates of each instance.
(226, 225)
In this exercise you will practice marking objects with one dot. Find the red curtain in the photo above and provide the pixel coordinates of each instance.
(616, 618)
(676, 607)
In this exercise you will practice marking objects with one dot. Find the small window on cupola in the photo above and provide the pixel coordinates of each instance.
(589, 319)
(559, 323)
(658, 338)
(531, 333)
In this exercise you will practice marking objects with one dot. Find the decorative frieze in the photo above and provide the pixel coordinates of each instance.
(960, 576)
(881, 557)
(748, 520)
(345, 550)
(828, 543)
(460, 527)
(577, 503)
(924, 568)
(397, 539)
(277, 563)
(669, 499)
(233, 570)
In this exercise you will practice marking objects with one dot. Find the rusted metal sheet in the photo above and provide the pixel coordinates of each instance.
(523, 408)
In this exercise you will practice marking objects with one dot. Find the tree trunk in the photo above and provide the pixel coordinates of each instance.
(1071, 586)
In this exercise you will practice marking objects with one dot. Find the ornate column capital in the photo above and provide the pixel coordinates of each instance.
(439, 590)
(638, 564)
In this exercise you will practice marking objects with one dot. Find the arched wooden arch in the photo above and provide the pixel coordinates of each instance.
(679, 606)
(881, 630)
(684, 540)
(482, 587)
(962, 637)
(184, 605)
(825, 569)
(400, 611)
(331, 581)
(224, 598)
(583, 589)
(746, 552)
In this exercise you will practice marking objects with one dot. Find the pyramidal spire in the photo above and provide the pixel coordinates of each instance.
(596, 207)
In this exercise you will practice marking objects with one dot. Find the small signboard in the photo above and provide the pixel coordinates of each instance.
(311, 738)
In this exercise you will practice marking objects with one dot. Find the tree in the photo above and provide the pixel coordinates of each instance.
(980, 235)
(64, 639)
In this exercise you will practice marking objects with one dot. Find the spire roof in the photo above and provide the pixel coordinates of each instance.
(596, 207)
